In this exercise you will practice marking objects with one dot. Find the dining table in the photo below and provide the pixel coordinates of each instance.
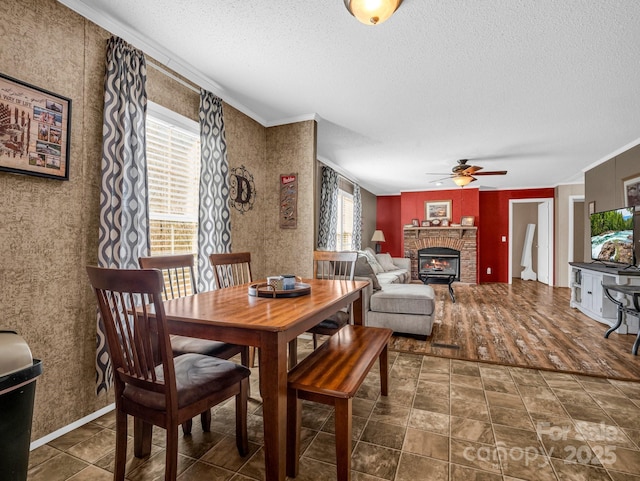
(269, 323)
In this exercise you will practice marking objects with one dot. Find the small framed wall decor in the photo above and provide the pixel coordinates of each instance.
(34, 130)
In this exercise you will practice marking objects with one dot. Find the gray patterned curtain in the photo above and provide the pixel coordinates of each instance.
(327, 230)
(214, 226)
(124, 211)
(356, 240)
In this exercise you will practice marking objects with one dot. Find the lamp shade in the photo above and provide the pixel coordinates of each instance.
(372, 12)
(378, 236)
(462, 180)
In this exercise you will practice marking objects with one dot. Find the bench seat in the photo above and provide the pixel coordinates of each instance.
(332, 374)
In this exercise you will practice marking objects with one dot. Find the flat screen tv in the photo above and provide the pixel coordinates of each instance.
(612, 236)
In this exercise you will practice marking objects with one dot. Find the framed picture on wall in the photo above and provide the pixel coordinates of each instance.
(631, 189)
(34, 130)
(437, 209)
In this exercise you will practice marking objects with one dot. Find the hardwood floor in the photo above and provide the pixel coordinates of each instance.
(526, 324)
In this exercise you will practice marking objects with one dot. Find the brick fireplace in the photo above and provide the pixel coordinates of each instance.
(463, 239)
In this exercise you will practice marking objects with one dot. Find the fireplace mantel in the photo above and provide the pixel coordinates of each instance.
(462, 238)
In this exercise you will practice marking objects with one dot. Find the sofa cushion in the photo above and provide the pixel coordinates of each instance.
(371, 258)
(363, 269)
(386, 262)
(404, 299)
(393, 277)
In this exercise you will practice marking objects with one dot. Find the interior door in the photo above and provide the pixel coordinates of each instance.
(543, 242)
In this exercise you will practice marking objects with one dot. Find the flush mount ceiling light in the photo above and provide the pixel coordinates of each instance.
(372, 12)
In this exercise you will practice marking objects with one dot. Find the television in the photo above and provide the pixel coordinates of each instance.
(612, 236)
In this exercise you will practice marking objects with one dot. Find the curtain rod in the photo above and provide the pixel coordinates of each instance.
(172, 76)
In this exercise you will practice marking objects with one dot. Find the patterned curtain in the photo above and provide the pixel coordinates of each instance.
(356, 240)
(327, 230)
(124, 211)
(214, 227)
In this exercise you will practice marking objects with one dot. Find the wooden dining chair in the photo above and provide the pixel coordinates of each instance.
(232, 269)
(333, 266)
(330, 265)
(179, 281)
(165, 394)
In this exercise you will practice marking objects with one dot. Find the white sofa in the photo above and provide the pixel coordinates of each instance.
(391, 300)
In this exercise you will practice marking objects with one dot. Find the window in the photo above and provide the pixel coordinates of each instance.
(173, 169)
(345, 215)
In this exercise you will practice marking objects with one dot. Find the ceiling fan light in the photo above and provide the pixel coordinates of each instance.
(372, 12)
(462, 180)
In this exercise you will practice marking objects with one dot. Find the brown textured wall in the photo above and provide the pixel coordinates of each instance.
(291, 149)
(49, 228)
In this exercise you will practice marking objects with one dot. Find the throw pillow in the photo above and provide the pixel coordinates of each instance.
(371, 258)
(386, 262)
(363, 269)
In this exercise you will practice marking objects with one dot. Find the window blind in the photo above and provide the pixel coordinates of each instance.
(173, 169)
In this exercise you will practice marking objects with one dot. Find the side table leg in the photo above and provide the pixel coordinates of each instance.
(634, 349)
(451, 294)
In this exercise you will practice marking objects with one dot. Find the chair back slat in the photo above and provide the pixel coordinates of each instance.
(334, 265)
(131, 309)
(231, 269)
(178, 272)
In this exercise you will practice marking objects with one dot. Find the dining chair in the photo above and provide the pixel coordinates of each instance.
(179, 281)
(333, 266)
(330, 265)
(232, 269)
(164, 394)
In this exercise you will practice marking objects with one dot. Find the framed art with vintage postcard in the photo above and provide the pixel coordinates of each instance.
(34, 130)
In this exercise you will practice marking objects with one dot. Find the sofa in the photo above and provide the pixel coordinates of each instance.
(390, 300)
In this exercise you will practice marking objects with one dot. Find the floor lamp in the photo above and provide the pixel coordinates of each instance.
(378, 236)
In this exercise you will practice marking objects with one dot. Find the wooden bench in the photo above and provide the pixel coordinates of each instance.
(331, 375)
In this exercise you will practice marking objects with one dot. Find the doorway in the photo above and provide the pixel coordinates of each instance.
(539, 212)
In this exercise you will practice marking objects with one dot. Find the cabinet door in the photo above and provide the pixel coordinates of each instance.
(598, 292)
(588, 282)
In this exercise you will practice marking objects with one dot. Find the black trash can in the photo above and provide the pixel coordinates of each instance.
(18, 373)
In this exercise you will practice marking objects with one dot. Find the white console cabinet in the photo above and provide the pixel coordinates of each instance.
(588, 296)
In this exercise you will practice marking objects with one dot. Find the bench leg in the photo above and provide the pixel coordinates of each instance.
(384, 371)
(343, 438)
(294, 419)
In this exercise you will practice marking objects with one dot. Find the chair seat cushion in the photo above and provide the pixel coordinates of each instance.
(197, 376)
(333, 322)
(185, 345)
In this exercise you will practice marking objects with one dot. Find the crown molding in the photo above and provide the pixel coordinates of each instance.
(159, 54)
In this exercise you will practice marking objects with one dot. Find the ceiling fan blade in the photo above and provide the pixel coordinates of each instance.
(494, 172)
(472, 169)
(440, 180)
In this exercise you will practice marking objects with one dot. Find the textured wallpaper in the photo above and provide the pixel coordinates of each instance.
(49, 228)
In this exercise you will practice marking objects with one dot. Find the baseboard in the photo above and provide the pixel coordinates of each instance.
(70, 427)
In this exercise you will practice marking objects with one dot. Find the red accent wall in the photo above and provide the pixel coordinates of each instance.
(491, 211)
(387, 220)
(494, 212)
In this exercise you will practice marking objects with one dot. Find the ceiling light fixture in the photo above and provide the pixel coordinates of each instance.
(462, 180)
(372, 12)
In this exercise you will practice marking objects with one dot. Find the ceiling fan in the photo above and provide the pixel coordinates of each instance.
(463, 174)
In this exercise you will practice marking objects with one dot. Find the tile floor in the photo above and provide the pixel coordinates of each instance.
(443, 420)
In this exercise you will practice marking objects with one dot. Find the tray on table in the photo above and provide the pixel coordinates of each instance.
(262, 289)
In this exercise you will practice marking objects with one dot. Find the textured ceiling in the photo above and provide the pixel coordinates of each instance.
(541, 88)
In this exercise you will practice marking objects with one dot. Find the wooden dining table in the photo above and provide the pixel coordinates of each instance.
(232, 315)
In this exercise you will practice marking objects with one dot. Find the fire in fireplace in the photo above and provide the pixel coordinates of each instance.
(439, 261)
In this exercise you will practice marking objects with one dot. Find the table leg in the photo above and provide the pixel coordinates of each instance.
(358, 311)
(619, 305)
(273, 379)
